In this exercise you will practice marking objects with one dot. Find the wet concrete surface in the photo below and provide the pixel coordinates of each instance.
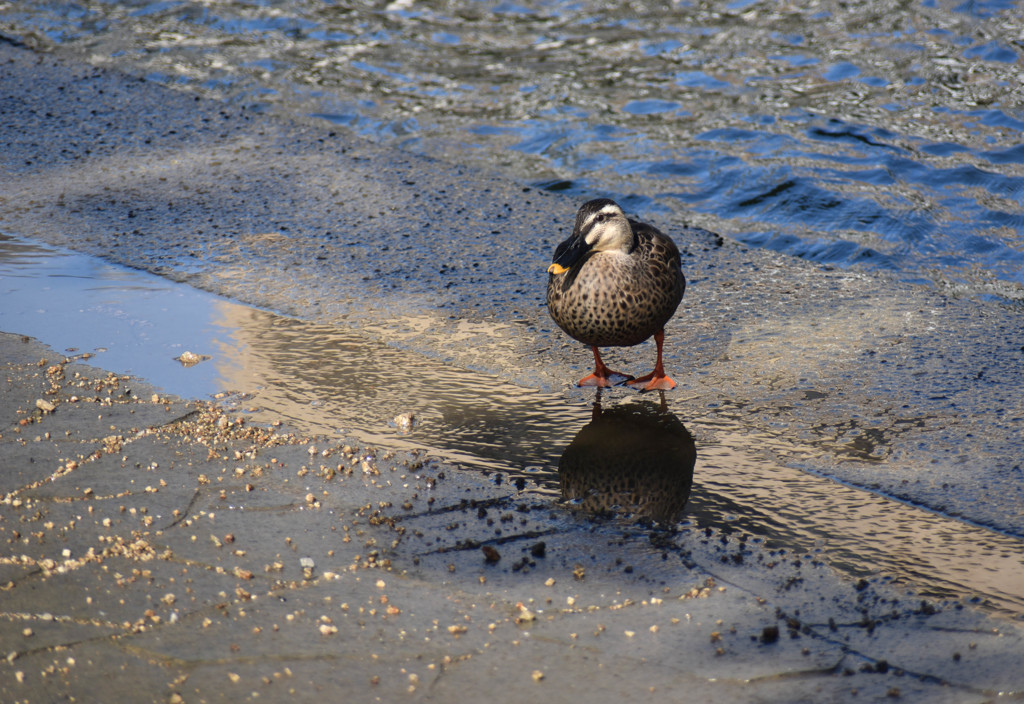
(894, 387)
(190, 555)
(215, 558)
(333, 381)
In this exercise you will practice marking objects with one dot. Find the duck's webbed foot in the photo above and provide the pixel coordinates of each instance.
(654, 382)
(603, 376)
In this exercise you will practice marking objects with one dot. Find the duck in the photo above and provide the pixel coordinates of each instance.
(615, 282)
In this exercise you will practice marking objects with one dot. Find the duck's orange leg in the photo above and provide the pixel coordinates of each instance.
(602, 376)
(656, 379)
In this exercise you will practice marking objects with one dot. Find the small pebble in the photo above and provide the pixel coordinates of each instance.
(525, 615)
(190, 359)
(405, 422)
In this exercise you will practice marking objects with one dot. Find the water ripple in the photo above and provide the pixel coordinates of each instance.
(867, 136)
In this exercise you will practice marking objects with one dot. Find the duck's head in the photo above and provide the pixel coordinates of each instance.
(601, 226)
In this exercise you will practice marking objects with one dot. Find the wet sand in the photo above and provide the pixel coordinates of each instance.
(202, 556)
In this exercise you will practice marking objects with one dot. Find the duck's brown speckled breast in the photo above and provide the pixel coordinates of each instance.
(617, 299)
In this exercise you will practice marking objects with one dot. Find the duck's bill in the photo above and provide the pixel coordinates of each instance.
(567, 254)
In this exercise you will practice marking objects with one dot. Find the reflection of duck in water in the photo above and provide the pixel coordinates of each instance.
(635, 458)
(615, 282)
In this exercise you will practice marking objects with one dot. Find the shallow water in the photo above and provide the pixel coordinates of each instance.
(80, 304)
(875, 135)
(330, 380)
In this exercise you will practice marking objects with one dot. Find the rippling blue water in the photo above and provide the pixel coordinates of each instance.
(882, 136)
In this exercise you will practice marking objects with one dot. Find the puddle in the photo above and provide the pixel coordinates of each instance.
(324, 379)
(138, 323)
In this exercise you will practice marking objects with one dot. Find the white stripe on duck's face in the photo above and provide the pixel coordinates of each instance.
(608, 230)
